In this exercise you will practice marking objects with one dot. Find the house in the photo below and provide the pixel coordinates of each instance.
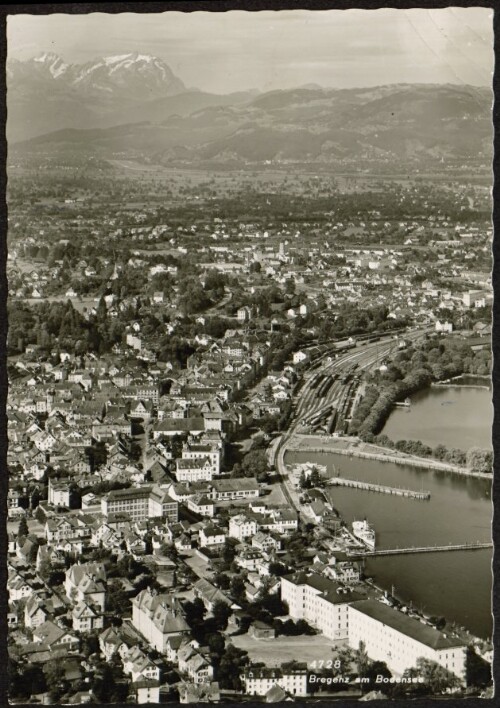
(59, 493)
(158, 617)
(265, 542)
(201, 504)
(86, 583)
(112, 641)
(242, 526)
(199, 692)
(146, 691)
(192, 662)
(54, 637)
(138, 665)
(248, 558)
(292, 678)
(35, 613)
(244, 314)
(300, 356)
(261, 630)
(210, 594)
(86, 618)
(212, 536)
(194, 470)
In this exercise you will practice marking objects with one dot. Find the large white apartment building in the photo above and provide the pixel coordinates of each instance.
(391, 636)
(319, 601)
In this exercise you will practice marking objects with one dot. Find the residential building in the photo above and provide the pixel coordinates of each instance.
(257, 681)
(158, 617)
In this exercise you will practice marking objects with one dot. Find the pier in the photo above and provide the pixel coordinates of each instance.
(422, 549)
(369, 486)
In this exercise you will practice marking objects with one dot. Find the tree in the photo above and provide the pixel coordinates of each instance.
(195, 612)
(278, 569)
(55, 676)
(238, 588)
(479, 460)
(22, 530)
(232, 662)
(222, 581)
(362, 659)
(216, 643)
(435, 677)
(477, 669)
(254, 462)
(371, 673)
(117, 600)
(221, 613)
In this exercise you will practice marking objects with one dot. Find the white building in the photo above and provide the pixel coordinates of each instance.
(59, 493)
(196, 470)
(258, 681)
(444, 327)
(140, 503)
(391, 636)
(242, 527)
(319, 601)
(300, 356)
(204, 452)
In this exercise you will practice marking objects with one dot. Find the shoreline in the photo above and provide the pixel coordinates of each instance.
(376, 453)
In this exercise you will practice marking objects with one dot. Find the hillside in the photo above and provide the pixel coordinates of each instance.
(410, 124)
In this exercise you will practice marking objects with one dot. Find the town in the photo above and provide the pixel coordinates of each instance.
(169, 335)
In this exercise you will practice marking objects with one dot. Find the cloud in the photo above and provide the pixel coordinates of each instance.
(227, 51)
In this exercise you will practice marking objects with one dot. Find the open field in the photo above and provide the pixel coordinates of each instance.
(273, 652)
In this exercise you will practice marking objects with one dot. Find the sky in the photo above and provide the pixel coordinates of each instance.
(222, 52)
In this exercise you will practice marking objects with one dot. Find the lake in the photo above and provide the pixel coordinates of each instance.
(454, 415)
(457, 584)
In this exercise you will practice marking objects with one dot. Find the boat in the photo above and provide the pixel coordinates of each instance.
(365, 533)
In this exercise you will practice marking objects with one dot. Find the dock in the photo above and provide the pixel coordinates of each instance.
(477, 545)
(383, 489)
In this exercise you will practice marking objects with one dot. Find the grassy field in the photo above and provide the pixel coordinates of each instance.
(276, 651)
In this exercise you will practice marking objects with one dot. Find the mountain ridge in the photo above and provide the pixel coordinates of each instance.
(415, 124)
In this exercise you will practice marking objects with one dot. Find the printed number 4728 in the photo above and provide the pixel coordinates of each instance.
(328, 664)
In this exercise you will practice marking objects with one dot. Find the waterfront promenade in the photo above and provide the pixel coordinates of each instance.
(353, 447)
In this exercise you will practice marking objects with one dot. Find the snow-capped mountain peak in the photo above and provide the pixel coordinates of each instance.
(53, 62)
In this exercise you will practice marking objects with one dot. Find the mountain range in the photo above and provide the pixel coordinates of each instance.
(134, 105)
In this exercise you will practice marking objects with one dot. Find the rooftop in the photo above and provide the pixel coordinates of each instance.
(406, 625)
